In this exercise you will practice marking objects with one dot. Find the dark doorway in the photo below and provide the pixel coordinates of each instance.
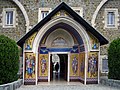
(63, 68)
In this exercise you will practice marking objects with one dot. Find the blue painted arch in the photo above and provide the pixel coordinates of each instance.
(66, 27)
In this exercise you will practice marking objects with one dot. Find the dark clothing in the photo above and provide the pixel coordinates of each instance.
(57, 67)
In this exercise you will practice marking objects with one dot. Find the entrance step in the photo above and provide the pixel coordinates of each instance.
(60, 83)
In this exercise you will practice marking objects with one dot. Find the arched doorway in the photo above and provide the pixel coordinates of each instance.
(63, 40)
(60, 60)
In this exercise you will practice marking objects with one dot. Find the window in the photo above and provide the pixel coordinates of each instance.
(43, 12)
(78, 10)
(104, 64)
(111, 18)
(8, 17)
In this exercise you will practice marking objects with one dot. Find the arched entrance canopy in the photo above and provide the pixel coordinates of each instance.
(77, 18)
(74, 28)
(67, 28)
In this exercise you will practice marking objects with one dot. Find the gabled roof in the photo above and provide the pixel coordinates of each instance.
(78, 18)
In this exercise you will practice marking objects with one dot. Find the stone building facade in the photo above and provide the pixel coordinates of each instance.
(103, 15)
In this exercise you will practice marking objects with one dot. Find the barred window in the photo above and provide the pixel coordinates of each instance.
(9, 18)
(111, 19)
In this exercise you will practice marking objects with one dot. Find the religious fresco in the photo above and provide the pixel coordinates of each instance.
(29, 66)
(74, 65)
(61, 13)
(43, 64)
(93, 65)
(82, 48)
(94, 42)
(82, 64)
(29, 42)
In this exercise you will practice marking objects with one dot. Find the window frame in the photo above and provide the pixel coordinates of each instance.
(110, 15)
(80, 9)
(111, 10)
(102, 58)
(5, 25)
(44, 9)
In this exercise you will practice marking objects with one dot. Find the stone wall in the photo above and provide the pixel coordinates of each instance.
(32, 7)
(20, 29)
(112, 33)
(89, 9)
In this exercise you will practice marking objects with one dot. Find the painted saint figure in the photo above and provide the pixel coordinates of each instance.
(92, 65)
(43, 65)
(74, 65)
(30, 66)
(33, 64)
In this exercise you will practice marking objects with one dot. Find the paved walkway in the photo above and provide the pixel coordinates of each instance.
(66, 86)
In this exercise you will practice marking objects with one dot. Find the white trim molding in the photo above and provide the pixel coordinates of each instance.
(99, 65)
(23, 65)
(37, 56)
(60, 33)
(96, 12)
(78, 10)
(24, 13)
(68, 68)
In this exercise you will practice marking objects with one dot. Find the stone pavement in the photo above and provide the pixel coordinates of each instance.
(66, 86)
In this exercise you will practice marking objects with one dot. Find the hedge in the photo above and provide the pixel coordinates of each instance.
(114, 59)
(9, 60)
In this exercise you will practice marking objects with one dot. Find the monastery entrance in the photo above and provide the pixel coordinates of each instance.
(61, 44)
(66, 38)
(60, 60)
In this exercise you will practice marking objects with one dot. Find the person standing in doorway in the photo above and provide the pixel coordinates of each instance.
(57, 67)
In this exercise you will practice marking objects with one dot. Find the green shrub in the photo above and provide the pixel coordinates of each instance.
(114, 59)
(9, 60)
